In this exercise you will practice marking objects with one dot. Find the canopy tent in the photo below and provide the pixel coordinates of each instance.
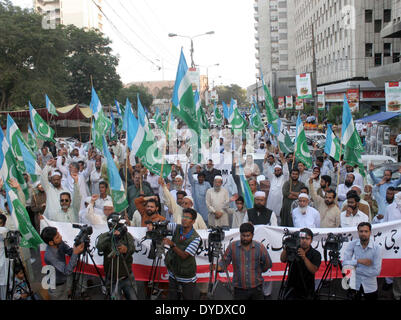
(379, 117)
(71, 112)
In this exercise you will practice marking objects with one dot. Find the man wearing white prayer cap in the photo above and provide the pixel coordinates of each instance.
(304, 216)
(95, 216)
(217, 201)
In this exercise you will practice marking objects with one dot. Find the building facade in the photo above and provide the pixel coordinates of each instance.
(81, 13)
(274, 55)
(348, 44)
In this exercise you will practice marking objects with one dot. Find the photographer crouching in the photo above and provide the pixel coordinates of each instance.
(180, 258)
(117, 247)
(303, 261)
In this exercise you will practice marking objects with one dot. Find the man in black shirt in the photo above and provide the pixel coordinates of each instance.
(301, 275)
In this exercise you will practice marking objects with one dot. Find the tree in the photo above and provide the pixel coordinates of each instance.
(89, 56)
(233, 91)
(165, 93)
(131, 93)
(32, 59)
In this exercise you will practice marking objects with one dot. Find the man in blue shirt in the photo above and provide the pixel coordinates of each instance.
(385, 182)
(365, 256)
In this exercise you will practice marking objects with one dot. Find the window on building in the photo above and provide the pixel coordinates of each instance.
(396, 57)
(387, 50)
(387, 15)
(368, 50)
(378, 59)
(368, 16)
(378, 26)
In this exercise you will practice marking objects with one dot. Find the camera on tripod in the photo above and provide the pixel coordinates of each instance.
(216, 234)
(11, 244)
(117, 223)
(159, 231)
(83, 236)
(334, 242)
(292, 242)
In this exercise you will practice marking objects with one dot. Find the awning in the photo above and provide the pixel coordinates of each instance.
(71, 112)
(379, 117)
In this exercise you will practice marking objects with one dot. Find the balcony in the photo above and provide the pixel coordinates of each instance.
(256, 26)
(256, 16)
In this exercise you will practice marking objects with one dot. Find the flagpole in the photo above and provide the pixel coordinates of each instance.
(338, 171)
(165, 145)
(126, 168)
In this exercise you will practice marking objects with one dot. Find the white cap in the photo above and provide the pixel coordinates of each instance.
(88, 199)
(178, 176)
(260, 194)
(359, 187)
(303, 195)
(278, 166)
(108, 203)
(189, 198)
(218, 177)
(260, 178)
(55, 173)
(35, 185)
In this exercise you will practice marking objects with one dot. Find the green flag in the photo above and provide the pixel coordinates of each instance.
(50, 107)
(285, 142)
(302, 152)
(42, 130)
(102, 126)
(218, 118)
(29, 237)
(255, 120)
(32, 143)
(272, 117)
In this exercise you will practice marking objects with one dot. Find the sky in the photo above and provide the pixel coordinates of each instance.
(140, 38)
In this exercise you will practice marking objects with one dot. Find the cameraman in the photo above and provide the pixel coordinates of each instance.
(301, 275)
(180, 258)
(117, 247)
(56, 251)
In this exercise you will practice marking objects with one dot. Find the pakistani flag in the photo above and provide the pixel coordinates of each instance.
(238, 122)
(183, 98)
(42, 130)
(302, 152)
(285, 143)
(255, 120)
(32, 140)
(142, 144)
(102, 126)
(113, 130)
(333, 144)
(8, 165)
(246, 190)
(29, 237)
(142, 115)
(50, 107)
(272, 117)
(218, 118)
(353, 147)
(120, 202)
(95, 104)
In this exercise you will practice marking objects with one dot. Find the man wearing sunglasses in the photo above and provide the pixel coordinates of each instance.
(70, 206)
(180, 258)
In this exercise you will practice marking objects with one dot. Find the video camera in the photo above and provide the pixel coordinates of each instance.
(334, 242)
(11, 244)
(117, 223)
(216, 234)
(159, 231)
(291, 242)
(83, 235)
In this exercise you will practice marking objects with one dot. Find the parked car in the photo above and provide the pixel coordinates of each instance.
(378, 171)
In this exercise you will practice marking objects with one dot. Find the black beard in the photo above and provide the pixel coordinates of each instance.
(348, 184)
(328, 203)
(278, 175)
(258, 207)
(389, 200)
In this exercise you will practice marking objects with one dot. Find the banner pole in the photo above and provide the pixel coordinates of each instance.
(165, 145)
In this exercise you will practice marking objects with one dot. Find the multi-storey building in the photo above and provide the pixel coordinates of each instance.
(347, 45)
(81, 13)
(274, 54)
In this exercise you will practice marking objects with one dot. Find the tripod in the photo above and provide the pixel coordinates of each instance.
(115, 256)
(285, 290)
(155, 274)
(336, 263)
(214, 255)
(15, 259)
(77, 278)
